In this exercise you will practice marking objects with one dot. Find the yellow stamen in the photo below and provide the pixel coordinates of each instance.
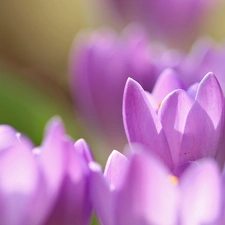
(159, 105)
(173, 179)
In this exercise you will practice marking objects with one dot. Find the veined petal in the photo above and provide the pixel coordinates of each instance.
(142, 124)
(173, 113)
(204, 123)
(210, 97)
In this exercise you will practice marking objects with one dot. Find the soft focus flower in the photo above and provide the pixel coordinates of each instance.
(46, 184)
(100, 66)
(172, 21)
(187, 126)
(140, 190)
(205, 56)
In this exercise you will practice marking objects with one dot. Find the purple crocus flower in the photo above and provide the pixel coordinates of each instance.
(187, 125)
(171, 21)
(100, 66)
(204, 56)
(140, 190)
(43, 185)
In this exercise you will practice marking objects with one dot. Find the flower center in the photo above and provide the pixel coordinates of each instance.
(173, 179)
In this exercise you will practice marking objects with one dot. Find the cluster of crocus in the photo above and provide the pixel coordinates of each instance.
(169, 106)
(101, 64)
(140, 190)
(59, 183)
(44, 185)
(170, 174)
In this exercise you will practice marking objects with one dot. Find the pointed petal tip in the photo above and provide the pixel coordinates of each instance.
(54, 123)
(131, 85)
(209, 75)
(130, 81)
(94, 167)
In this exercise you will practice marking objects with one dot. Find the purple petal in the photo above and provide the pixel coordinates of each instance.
(167, 82)
(141, 123)
(211, 99)
(83, 148)
(146, 194)
(18, 186)
(102, 196)
(204, 123)
(173, 113)
(192, 90)
(52, 154)
(51, 161)
(115, 168)
(73, 203)
(9, 137)
(200, 193)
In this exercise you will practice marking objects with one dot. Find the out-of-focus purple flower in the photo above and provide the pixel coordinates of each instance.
(205, 56)
(187, 126)
(101, 64)
(171, 21)
(99, 68)
(140, 190)
(46, 184)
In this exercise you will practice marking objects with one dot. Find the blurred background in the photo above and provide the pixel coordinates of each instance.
(35, 42)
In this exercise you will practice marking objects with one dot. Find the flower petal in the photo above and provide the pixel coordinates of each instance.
(146, 194)
(200, 188)
(83, 148)
(173, 113)
(115, 168)
(141, 123)
(167, 82)
(102, 196)
(73, 203)
(204, 123)
(18, 186)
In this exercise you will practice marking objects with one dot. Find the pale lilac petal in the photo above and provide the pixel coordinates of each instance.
(52, 156)
(192, 90)
(10, 137)
(200, 189)
(115, 168)
(173, 113)
(167, 82)
(73, 203)
(204, 123)
(83, 148)
(19, 180)
(142, 124)
(51, 160)
(102, 196)
(211, 99)
(147, 195)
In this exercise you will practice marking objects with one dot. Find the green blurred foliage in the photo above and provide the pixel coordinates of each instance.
(28, 109)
